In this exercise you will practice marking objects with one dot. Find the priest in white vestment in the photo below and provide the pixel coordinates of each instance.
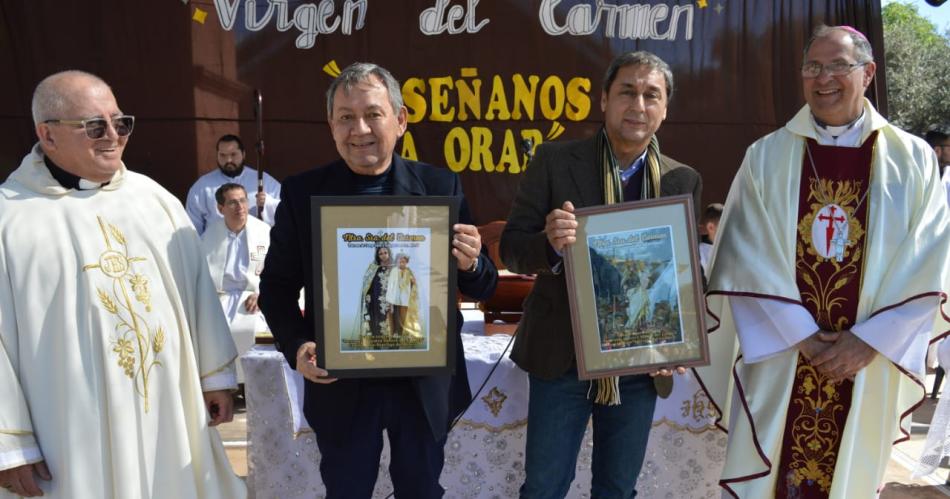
(760, 288)
(201, 204)
(235, 247)
(115, 358)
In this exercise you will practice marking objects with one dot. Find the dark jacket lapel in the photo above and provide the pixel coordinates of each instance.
(405, 181)
(586, 179)
(338, 181)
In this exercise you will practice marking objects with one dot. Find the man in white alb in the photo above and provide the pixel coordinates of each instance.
(201, 204)
(114, 354)
(235, 247)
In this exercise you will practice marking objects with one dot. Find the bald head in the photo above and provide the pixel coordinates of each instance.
(63, 105)
(55, 97)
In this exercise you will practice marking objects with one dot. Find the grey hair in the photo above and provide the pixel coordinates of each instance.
(360, 72)
(639, 58)
(50, 101)
(863, 52)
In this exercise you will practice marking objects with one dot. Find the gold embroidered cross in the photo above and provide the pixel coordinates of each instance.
(136, 345)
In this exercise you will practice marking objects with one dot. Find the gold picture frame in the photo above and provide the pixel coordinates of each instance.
(385, 278)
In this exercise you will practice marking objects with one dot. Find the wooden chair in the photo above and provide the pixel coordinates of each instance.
(505, 304)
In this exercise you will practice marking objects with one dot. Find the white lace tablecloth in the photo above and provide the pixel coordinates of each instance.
(484, 455)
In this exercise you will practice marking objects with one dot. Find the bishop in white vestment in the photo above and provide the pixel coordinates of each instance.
(114, 353)
(816, 399)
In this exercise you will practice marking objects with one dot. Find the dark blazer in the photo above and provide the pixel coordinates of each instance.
(330, 408)
(559, 172)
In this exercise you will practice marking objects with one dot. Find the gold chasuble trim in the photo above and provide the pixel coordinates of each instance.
(820, 406)
(219, 369)
(136, 344)
(18, 433)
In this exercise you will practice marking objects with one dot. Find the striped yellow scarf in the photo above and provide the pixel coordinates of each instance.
(608, 389)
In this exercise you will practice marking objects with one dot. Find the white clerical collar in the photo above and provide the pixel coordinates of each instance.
(70, 180)
(848, 135)
(88, 185)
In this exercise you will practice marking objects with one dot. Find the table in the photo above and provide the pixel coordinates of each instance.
(484, 454)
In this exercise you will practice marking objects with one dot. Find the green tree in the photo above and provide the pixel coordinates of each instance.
(917, 67)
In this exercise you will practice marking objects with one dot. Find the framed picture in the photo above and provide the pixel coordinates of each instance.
(385, 276)
(635, 288)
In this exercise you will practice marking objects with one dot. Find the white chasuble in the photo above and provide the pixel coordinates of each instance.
(110, 330)
(907, 241)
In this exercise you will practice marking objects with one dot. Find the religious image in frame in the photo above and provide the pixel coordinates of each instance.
(381, 311)
(388, 285)
(635, 288)
(634, 278)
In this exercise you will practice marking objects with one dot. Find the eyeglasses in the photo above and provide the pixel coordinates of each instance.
(96, 127)
(234, 203)
(813, 69)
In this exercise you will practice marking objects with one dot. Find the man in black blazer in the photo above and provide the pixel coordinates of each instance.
(560, 178)
(367, 118)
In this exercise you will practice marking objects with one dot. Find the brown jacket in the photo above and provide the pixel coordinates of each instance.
(559, 172)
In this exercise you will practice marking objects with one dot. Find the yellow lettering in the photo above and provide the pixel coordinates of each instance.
(498, 102)
(510, 159)
(552, 105)
(440, 99)
(525, 94)
(457, 149)
(481, 154)
(469, 96)
(409, 147)
(413, 95)
(578, 99)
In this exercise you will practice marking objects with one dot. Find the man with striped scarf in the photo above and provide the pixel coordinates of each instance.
(621, 162)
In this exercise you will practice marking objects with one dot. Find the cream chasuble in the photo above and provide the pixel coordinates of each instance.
(907, 241)
(110, 328)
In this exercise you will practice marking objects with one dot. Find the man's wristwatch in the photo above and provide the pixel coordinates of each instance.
(474, 266)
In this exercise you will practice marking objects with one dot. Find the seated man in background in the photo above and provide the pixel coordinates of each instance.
(235, 247)
(710, 223)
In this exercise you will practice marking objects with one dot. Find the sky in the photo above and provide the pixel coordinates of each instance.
(937, 15)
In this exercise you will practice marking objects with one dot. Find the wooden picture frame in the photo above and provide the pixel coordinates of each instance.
(380, 317)
(635, 288)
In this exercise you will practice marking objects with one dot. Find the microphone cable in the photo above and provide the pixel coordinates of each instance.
(474, 395)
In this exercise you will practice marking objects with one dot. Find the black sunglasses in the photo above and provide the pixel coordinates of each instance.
(96, 127)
